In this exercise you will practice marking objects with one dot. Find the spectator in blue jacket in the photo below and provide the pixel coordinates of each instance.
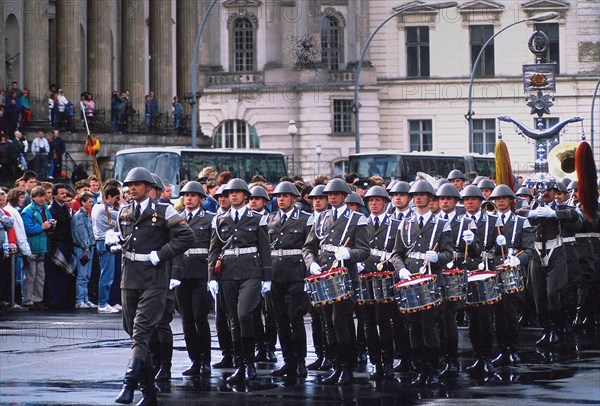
(84, 244)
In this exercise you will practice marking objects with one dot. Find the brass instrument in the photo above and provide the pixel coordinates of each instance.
(561, 160)
(489, 208)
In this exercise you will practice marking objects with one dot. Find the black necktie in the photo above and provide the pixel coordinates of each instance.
(237, 217)
(376, 223)
(283, 219)
(189, 217)
(504, 219)
(474, 218)
(137, 211)
(400, 216)
(446, 217)
(421, 222)
(334, 215)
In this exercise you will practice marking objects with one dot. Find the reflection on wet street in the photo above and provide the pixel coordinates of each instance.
(80, 358)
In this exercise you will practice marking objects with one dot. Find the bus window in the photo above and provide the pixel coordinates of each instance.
(484, 166)
(164, 164)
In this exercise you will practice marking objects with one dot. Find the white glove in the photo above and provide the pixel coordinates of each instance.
(468, 236)
(481, 266)
(213, 287)
(315, 268)
(545, 212)
(360, 266)
(431, 256)
(265, 287)
(403, 274)
(501, 240)
(112, 237)
(342, 253)
(512, 261)
(154, 258)
(173, 283)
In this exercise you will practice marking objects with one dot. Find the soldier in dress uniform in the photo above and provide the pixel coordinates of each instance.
(548, 270)
(463, 231)
(516, 236)
(288, 229)
(382, 231)
(486, 186)
(151, 234)
(240, 243)
(191, 270)
(338, 235)
(457, 178)
(417, 240)
(265, 333)
(400, 201)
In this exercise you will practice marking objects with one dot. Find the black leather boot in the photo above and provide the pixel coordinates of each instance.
(388, 369)
(421, 368)
(337, 368)
(433, 377)
(248, 348)
(164, 373)
(270, 356)
(451, 369)
(403, 366)
(226, 361)
(302, 371)
(346, 377)
(477, 368)
(580, 318)
(315, 365)
(377, 374)
(130, 381)
(192, 370)
(239, 375)
(556, 326)
(148, 389)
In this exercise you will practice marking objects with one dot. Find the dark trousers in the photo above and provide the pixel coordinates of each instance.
(142, 311)
(317, 323)
(194, 303)
(161, 342)
(401, 336)
(449, 342)
(547, 281)
(481, 329)
(290, 304)
(507, 320)
(338, 317)
(265, 333)
(241, 298)
(222, 325)
(378, 330)
(423, 328)
(59, 287)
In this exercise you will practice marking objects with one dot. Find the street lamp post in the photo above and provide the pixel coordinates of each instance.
(293, 131)
(194, 100)
(592, 115)
(356, 107)
(319, 151)
(537, 18)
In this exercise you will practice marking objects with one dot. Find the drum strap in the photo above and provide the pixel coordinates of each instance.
(460, 230)
(346, 229)
(437, 223)
(487, 229)
(387, 236)
(514, 233)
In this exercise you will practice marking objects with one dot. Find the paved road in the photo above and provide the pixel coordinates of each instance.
(80, 358)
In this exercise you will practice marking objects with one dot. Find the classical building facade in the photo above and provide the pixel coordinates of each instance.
(265, 62)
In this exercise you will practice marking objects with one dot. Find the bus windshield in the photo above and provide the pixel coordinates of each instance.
(164, 164)
(386, 166)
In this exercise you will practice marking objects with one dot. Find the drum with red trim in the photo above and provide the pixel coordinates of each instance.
(417, 294)
(483, 289)
(512, 280)
(329, 287)
(453, 286)
(376, 287)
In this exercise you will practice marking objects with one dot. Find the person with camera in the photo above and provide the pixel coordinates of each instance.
(84, 244)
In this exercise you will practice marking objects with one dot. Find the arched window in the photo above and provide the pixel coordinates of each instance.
(331, 43)
(243, 45)
(236, 134)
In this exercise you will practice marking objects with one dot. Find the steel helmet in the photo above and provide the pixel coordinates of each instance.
(353, 197)
(237, 184)
(158, 183)
(139, 174)
(449, 190)
(477, 180)
(286, 187)
(471, 191)
(523, 190)
(422, 186)
(567, 182)
(391, 185)
(442, 182)
(562, 187)
(456, 174)
(573, 185)
(317, 192)
(219, 191)
(505, 191)
(377, 191)
(400, 187)
(193, 187)
(485, 184)
(259, 191)
(337, 185)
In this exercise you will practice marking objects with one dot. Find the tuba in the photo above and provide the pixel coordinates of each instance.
(561, 160)
(489, 208)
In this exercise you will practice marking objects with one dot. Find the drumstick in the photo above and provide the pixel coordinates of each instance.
(426, 262)
(502, 246)
(335, 263)
(516, 255)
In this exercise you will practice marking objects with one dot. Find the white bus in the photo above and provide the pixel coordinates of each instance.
(174, 164)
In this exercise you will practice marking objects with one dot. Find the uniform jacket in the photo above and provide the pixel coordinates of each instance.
(458, 225)
(32, 221)
(524, 236)
(159, 228)
(195, 266)
(383, 239)
(291, 235)
(250, 231)
(411, 238)
(326, 231)
(550, 228)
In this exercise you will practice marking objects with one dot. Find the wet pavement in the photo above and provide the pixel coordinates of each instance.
(80, 358)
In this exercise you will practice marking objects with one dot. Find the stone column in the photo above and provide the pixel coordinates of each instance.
(35, 44)
(132, 51)
(68, 48)
(99, 14)
(161, 54)
(187, 27)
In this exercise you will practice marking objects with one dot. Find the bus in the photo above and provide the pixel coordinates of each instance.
(174, 164)
(405, 165)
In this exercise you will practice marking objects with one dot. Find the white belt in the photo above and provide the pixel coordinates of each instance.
(550, 246)
(595, 235)
(196, 251)
(584, 235)
(286, 253)
(329, 247)
(568, 239)
(240, 251)
(380, 253)
(417, 255)
(132, 256)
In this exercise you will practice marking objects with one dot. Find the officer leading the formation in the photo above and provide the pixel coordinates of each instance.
(150, 234)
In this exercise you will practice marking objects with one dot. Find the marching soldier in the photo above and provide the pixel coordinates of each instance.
(400, 200)
(516, 236)
(486, 186)
(288, 230)
(240, 243)
(463, 231)
(191, 270)
(549, 268)
(338, 235)
(382, 232)
(151, 234)
(415, 250)
(457, 178)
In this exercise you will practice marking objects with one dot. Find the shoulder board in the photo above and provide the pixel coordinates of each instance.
(362, 220)
(169, 211)
(306, 212)
(310, 221)
(263, 220)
